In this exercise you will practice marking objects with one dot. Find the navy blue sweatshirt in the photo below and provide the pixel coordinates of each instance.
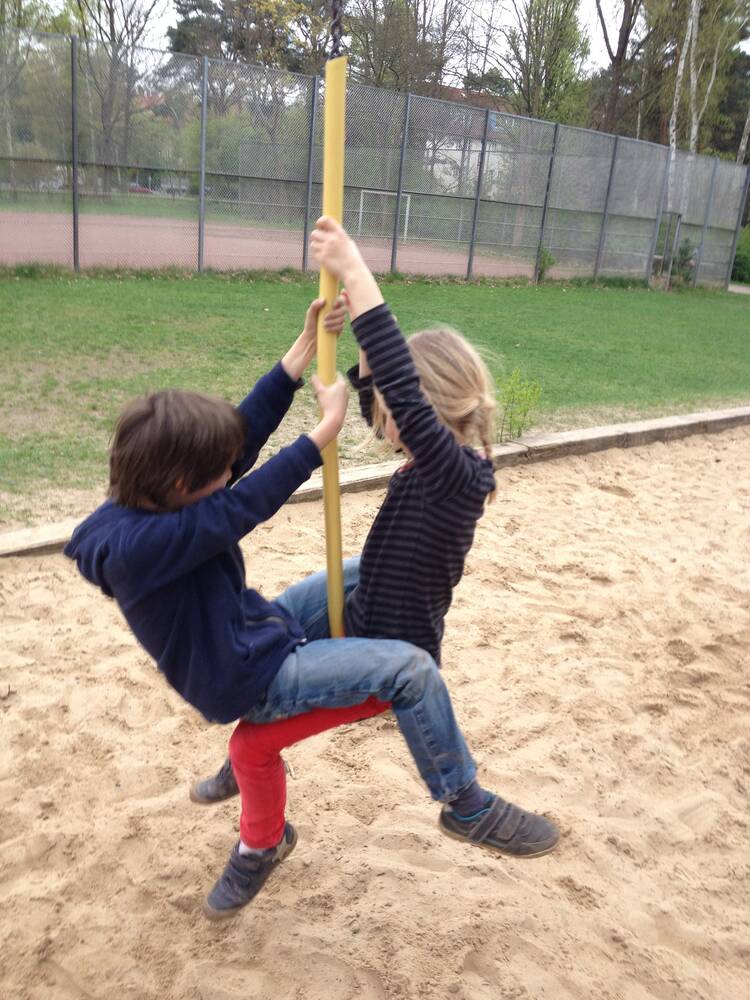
(415, 552)
(179, 577)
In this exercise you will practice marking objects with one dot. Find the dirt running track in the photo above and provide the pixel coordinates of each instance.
(127, 241)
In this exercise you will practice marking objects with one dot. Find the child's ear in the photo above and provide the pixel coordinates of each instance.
(180, 487)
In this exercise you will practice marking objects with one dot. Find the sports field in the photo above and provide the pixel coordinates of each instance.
(74, 350)
(135, 239)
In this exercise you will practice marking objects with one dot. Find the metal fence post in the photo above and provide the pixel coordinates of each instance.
(605, 211)
(202, 173)
(310, 166)
(545, 206)
(673, 251)
(400, 189)
(738, 227)
(74, 146)
(657, 223)
(478, 194)
(709, 203)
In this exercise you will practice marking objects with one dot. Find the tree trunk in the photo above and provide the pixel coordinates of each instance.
(640, 100)
(618, 59)
(130, 81)
(743, 141)
(678, 84)
(695, 123)
(8, 55)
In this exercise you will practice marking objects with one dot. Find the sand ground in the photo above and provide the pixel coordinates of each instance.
(597, 652)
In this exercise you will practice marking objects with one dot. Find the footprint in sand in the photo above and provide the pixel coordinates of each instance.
(581, 895)
(324, 977)
(484, 979)
(681, 651)
(618, 491)
(699, 812)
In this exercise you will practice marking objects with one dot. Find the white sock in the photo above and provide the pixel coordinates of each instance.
(244, 849)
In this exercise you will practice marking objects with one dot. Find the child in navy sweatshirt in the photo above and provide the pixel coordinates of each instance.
(430, 399)
(165, 545)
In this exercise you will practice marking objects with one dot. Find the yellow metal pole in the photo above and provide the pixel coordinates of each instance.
(333, 205)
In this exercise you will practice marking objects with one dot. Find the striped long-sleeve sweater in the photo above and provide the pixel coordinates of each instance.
(415, 552)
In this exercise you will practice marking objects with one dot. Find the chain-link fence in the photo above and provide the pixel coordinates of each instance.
(139, 158)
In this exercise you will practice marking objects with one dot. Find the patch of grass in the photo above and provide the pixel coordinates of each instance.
(616, 281)
(75, 349)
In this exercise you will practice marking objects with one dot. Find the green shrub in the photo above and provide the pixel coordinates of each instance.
(546, 261)
(518, 396)
(741, 271)
(684, 262)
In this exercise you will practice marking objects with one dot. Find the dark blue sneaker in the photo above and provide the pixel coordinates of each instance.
(217, 788)
(502, 827)
(244, 877)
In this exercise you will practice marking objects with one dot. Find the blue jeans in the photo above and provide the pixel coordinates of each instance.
(333, 673)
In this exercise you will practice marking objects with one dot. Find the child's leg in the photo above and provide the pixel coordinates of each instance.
(336, 673)
(256, 761)
(340, 672)
(265, 839)
(307, 601)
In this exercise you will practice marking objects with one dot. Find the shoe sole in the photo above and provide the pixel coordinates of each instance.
(218, 915)
(201, 801)
(497, 850)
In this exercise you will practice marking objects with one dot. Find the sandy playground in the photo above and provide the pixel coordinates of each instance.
(597, 652)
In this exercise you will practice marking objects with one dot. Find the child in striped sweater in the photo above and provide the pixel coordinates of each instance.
(431, 400)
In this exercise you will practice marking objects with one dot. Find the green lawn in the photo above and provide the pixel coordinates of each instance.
(75, 349)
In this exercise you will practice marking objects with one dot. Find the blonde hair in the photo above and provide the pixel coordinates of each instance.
(455, 380)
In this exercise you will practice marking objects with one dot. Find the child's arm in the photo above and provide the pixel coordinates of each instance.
(442, 462)
(360, 375)
(302, 351)
(360, 379)
(166, 546)
(266, 405)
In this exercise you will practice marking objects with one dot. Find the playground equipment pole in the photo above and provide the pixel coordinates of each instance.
(333, 205)
(545, 206)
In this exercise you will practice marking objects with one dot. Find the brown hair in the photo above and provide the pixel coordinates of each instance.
(169, 436)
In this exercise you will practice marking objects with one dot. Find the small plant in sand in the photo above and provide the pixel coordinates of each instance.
(518, 397)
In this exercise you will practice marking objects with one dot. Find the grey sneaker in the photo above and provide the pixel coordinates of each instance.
(503, 827)
(244, 877)
(217, 788)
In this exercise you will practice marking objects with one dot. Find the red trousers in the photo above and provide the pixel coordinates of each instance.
(255, 752)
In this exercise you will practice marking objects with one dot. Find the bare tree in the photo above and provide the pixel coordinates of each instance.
(13, 55)
(480, 33)
(618, 56)
(712, 29)
(111, 29)
(404, 44)
(678, 80)
(545, 52)
(719, 24)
